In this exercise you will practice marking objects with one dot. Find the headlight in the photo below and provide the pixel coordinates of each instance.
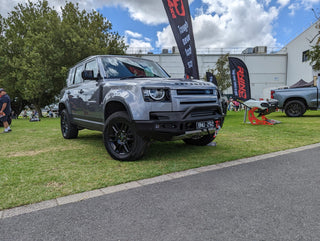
(156, 94)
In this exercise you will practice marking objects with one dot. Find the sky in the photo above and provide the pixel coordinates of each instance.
(228, 24)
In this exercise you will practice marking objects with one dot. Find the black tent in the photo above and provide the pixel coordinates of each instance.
(301, 83)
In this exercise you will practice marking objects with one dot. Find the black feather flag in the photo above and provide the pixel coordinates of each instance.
(178, 13)
(240, 79)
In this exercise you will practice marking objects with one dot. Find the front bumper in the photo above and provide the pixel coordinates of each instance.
(166, 126)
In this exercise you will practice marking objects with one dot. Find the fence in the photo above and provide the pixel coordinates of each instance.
(220, 51)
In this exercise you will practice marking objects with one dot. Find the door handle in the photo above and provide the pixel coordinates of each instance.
(81, 91)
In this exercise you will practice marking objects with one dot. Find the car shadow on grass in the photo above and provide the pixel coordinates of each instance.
(156, 151)
(173, 150)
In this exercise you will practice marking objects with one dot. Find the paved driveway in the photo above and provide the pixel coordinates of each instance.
(276, 198)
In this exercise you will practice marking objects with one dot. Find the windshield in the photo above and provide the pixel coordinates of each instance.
(123, 67)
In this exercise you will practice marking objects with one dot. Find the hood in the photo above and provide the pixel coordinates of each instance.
(172, 82)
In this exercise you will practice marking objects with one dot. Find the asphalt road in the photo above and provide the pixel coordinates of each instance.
(272, 199)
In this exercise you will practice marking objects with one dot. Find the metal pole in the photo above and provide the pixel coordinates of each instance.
(245, 114)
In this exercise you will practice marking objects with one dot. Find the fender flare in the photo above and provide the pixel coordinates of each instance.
(119, 100)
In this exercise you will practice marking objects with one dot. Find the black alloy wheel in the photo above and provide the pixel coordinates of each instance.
(68, 130)
(121, 139)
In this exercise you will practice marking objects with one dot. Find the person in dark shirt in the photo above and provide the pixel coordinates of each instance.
(5, 110)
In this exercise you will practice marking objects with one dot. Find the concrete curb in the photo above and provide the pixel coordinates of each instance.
(126, 186)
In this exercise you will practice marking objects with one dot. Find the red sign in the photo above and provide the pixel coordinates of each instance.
(176, 8)
(241, 83)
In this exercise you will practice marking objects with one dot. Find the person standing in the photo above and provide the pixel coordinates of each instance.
(236, 105)
(5, 110)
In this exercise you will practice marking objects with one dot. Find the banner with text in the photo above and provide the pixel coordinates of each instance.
(178, 13)
(211, 78)
(240, 79)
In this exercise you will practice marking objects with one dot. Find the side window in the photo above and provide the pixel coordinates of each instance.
(305, 56)
(93, 66)
(78, 78)
(70, 77)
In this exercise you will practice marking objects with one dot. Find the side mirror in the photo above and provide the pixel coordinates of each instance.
(88, 75)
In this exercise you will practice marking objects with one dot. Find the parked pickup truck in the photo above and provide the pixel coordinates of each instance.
(133, 101)
(295, 101)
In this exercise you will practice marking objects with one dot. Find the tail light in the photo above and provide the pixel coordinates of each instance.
(272, 93)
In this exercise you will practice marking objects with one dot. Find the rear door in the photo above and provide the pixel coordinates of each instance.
(74, 92)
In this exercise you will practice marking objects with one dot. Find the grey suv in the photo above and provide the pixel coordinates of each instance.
(133, 101)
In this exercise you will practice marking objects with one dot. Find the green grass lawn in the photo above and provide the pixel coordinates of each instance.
(37, 164)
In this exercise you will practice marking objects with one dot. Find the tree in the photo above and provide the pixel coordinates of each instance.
(39, 45)
(85, 34)
(314, 56)
(221, 71)
(7, 70)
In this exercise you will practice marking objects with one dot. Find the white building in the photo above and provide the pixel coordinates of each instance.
(266, 70)
(298, 66)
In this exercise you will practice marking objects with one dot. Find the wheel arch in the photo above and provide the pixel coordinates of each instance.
(62, 106)
(295, 98)
(116, 105)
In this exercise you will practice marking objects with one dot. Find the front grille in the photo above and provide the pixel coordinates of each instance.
(202, 113)
(154, 116)
(196, 102)
(195, 92)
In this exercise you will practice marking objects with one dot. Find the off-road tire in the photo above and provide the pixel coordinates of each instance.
(68, 130)
(121, 138)
(200, 141)
(295, 108)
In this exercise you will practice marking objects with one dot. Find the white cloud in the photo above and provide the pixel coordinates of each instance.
(137, 43)
(139, 46)
(129, 33)
(266, 2)
(283, 2)
(147, 11)
(165, 38)
(7, 6)
(304, 4)
(293, 8)
(308, 4)
(229, 23)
